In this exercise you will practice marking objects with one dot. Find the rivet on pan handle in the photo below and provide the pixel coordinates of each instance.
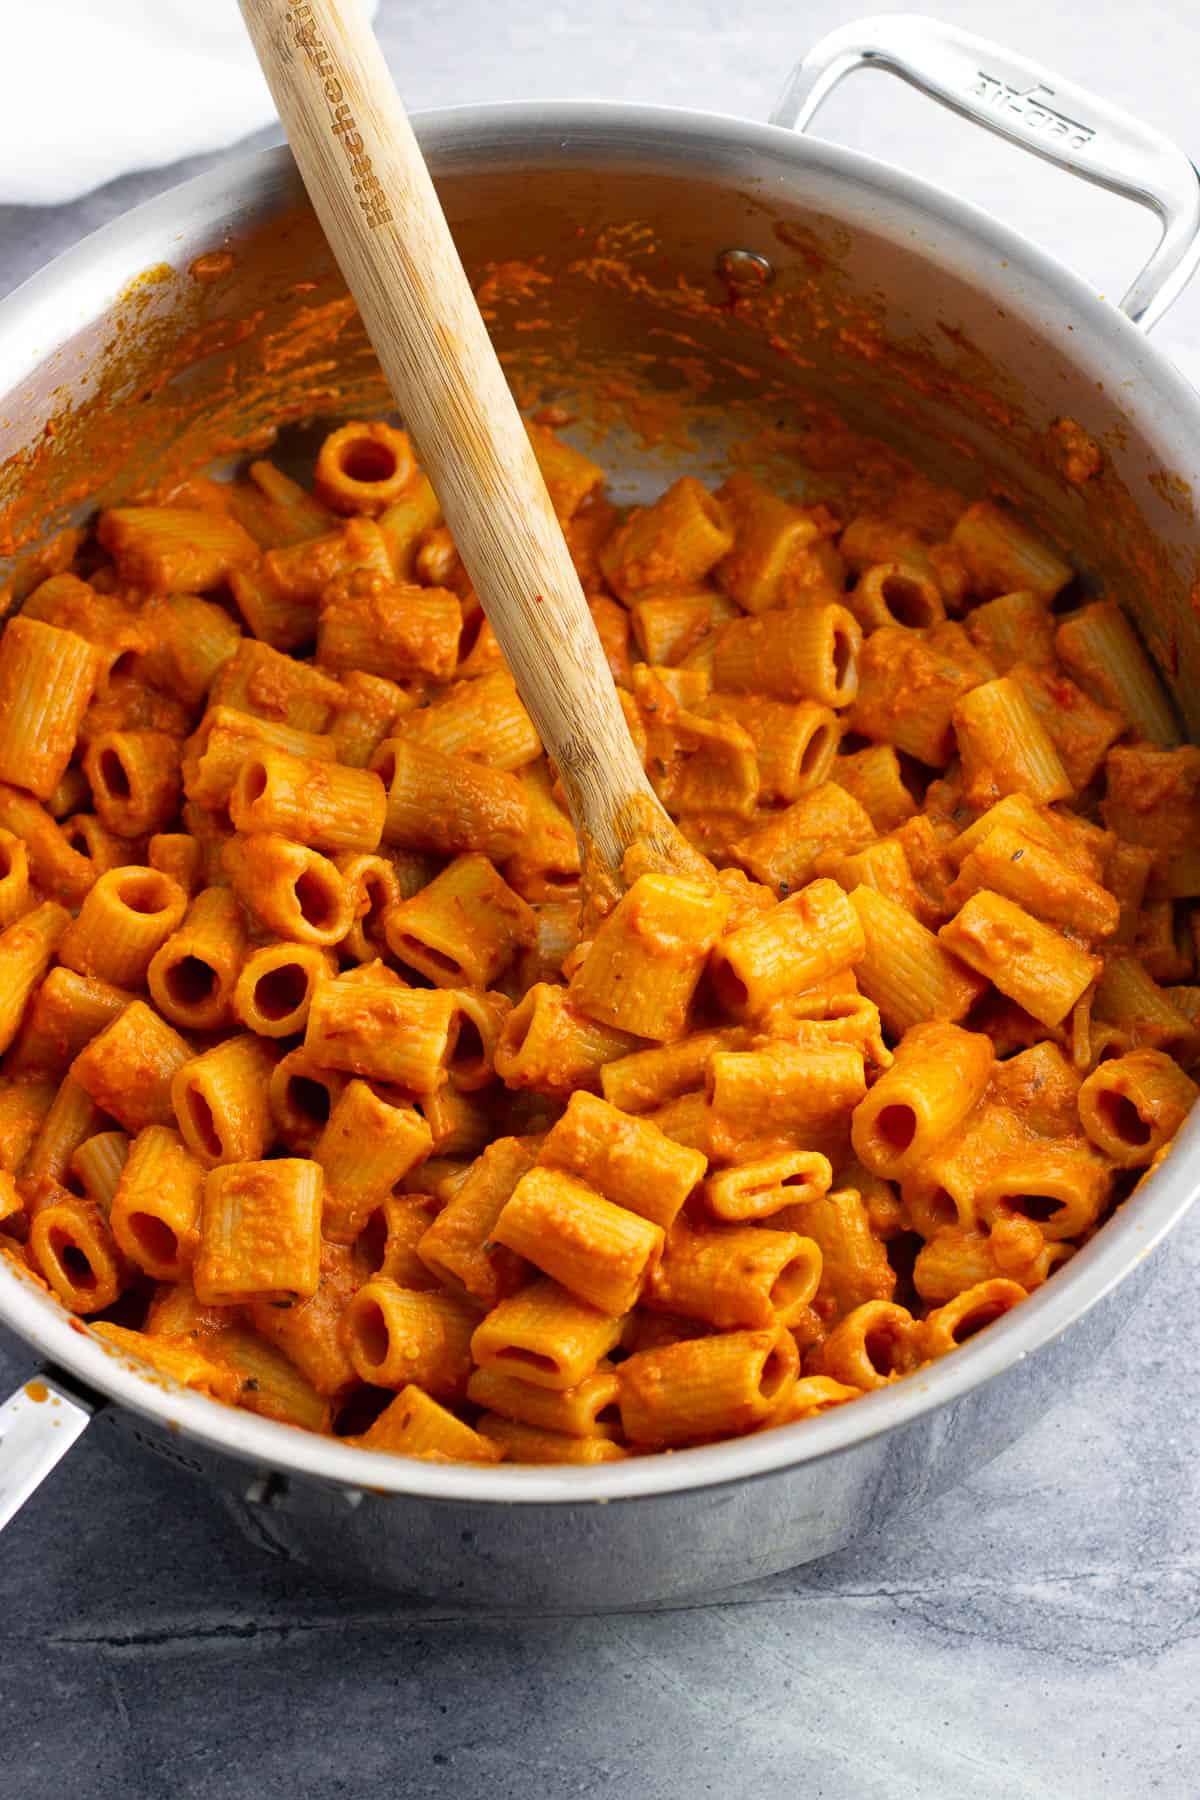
(38, 1425)
(1033, 108)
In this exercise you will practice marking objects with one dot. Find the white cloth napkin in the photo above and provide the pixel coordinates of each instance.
(97, 88)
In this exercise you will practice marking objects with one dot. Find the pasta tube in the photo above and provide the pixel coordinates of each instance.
(802, 653)
(416, 1425)
(706, 1387)
(135, 780)
(520, 1443)
(589, 1410)
(396, 1035)
(459, 1247)
(736, 1275)
(938, 1074)
(128, 916)
(1033, 964)
(1133, 1105)
(394, 1335)
(545, 1336)
(756, 1190)
(296, 892)
(463, 929)
(363, 468)
(317, 803)
(1001, 554)
(156, 1209)
(275, 987)
(553, 1047)
(192, 978)
(906, 971)
(628, 1160)
(309, 1332)
(1005, 748)
(447, 804)
(26, 949)
(97, 1165)
(72, 1248)
(1100, 648)
(222, 1101)
(599, 1252)
(670, 544)
(483, 720)
(47, 678)
(646, 959)
(367, 1146)
(128, 1068)
(806, 938)
(73, 1117)
(872, 1346)
(260, 1233)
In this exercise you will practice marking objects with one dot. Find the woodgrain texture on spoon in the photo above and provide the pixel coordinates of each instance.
(373, 195)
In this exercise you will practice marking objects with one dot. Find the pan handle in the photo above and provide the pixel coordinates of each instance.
(1035, 109)
(38, 1425)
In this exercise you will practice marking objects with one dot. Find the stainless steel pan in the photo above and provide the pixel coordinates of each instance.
(782, 266)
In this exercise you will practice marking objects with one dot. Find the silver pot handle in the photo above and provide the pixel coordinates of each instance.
(38, 1425)
(1019, 100)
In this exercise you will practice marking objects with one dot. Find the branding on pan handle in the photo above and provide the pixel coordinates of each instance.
(342, 123)
(1032, 106)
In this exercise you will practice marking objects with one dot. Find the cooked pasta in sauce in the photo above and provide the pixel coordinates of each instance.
(323, 1095)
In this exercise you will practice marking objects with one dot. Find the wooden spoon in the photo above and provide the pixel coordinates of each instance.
(373, 194)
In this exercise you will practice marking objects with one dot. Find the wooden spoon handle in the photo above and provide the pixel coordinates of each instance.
(374, 197)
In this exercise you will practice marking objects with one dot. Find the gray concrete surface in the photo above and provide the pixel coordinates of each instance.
(1033, 1635)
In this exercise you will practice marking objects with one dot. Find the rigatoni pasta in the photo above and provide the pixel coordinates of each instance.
(323, 1061)
(72, 1248)
(318, 803)
(308, 1332)
(706, 1387)
(179, 855)
(459, 1248)
(387, 1033)
(482, 719)
(1100, 648)
(289, 888)
(97, 1164)
(368, 1145)
(808, 654)
(444, 803)
(222, 1101)
(57, 866)
(736, 1275)
(416, 1425)
(1038, 967)
(135, 779)
(599, 1252)
(156, 1208)
(260, 1232)
(395, 1335)
(47, 678)
(675, 541)
(14, 878)
(127, 916)
(26, 951)
(645, 962)
(275, 985)
(72, 1119)
(193, 976)
(128, 1067)
(463, 928)
(545, 1335)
